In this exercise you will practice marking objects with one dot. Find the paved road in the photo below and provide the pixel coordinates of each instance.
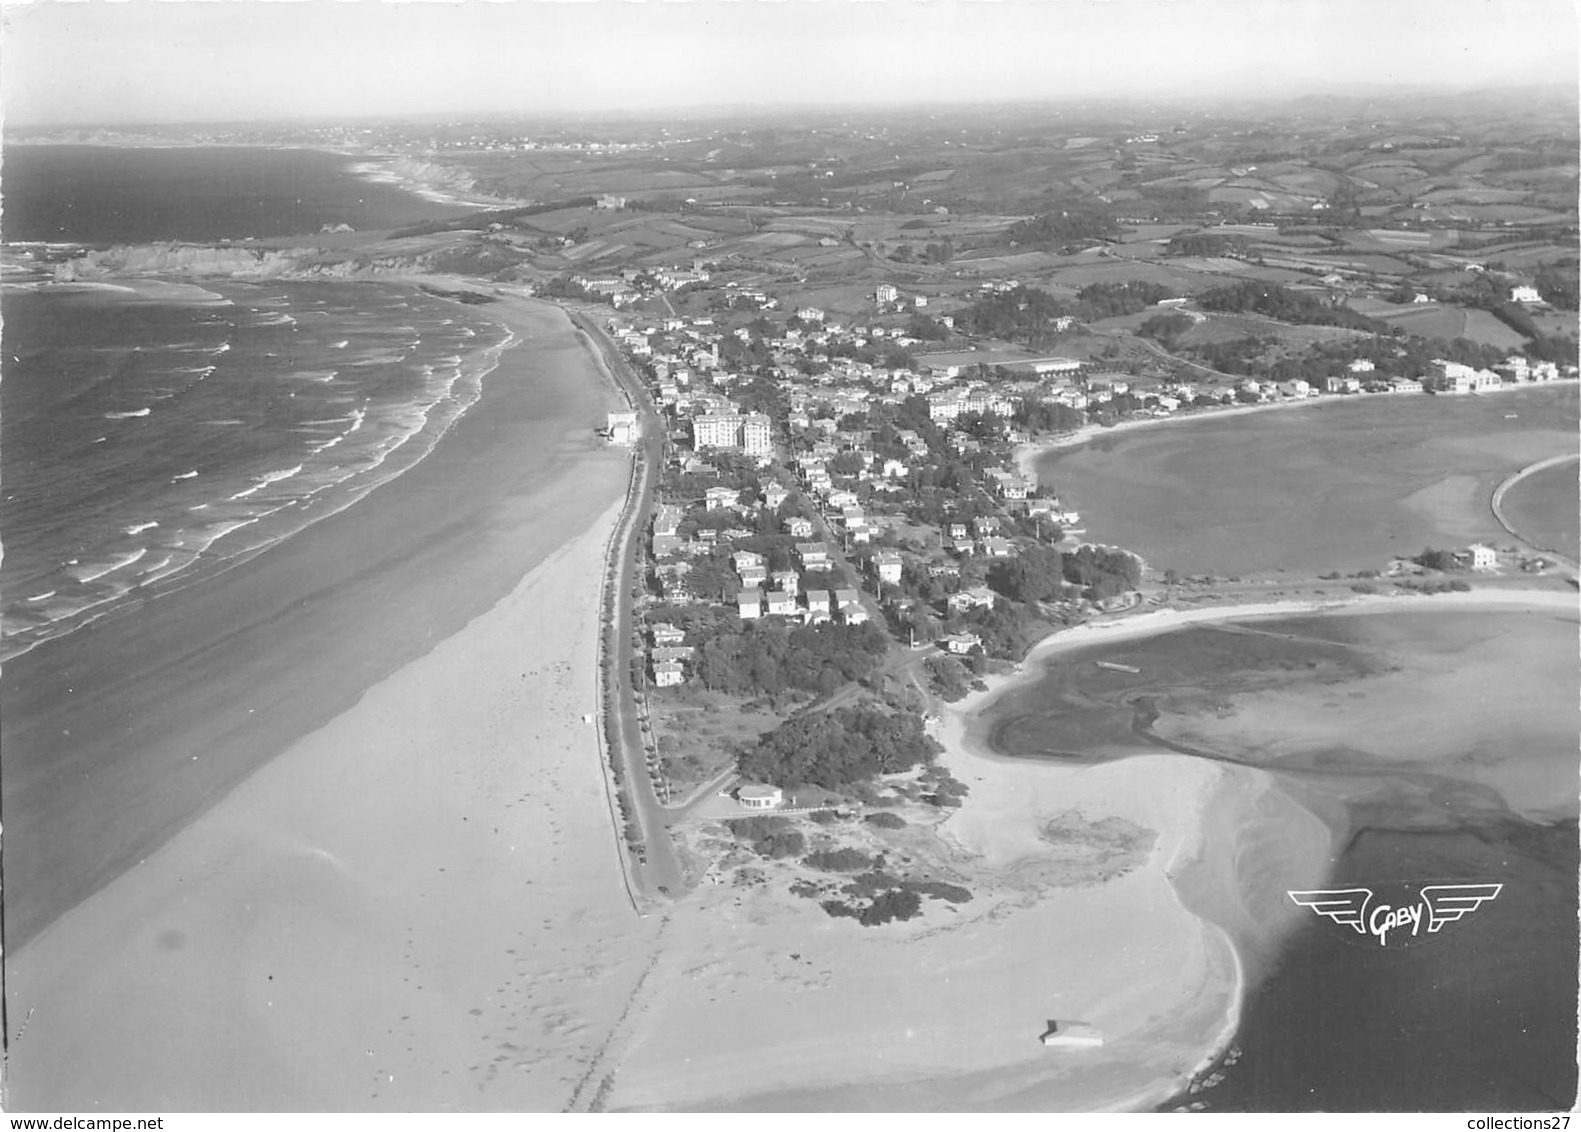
(654, 870)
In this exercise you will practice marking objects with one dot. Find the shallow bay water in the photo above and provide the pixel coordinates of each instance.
(1440, 748)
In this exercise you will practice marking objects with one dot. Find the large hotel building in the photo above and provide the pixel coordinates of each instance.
(752, 433)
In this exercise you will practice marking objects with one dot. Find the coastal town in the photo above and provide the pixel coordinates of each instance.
(821, 473)
(797, 608)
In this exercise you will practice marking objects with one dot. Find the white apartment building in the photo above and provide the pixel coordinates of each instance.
(752, 433)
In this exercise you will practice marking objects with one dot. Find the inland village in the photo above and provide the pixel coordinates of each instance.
(1032, 599)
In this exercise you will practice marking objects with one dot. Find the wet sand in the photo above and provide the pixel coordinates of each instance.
(763, 1003)
(393, 741)
(1454, 725)
(1486, 701)
(117, 735)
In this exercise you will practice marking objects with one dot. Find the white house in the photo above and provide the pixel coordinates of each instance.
(812, 554)
(887, 565)
(665, 634)
(622, 427)
(970, 598)
(961, 643)
(668, 674)
(1482, 557)
(717, 497)
(749, 604)
(759, 797)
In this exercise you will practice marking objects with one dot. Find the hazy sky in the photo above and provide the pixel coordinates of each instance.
(179, 60)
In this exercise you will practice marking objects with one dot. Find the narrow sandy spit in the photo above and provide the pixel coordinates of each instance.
(766, 1004)
(760, 1002)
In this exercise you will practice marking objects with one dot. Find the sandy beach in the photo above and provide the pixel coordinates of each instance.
(309, 846)
(348, 846)
(941, 1016)
(763, 1003)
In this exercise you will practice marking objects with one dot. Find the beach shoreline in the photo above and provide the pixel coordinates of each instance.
(1216, 841)
(88, 719)
(405, 171)
(420, 893)
(1026, 456)
(260, 874)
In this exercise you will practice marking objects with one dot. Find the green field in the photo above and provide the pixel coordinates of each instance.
(1229, 327)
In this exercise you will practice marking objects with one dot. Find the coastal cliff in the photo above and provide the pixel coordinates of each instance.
(198, 261)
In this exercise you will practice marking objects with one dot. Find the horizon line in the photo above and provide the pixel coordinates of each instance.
(1149, 100)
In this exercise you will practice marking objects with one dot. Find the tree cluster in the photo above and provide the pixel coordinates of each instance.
(1111, 300)
(1048, 416)
(1025, 314)
(927, 329)
(836, 748)
(1165, 328)
(1102, 570)
(769, 836)
(948, 678)
(1078, 222)
(1285, 305)
(1008, 630)
(767, 657)
(1207, 244)
(1037, 573)
(1432, 559)
(1557, 283)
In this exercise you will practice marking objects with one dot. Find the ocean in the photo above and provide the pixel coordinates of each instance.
(154, 434)
(148, 444)
(1480, 1017)
(99, 194)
